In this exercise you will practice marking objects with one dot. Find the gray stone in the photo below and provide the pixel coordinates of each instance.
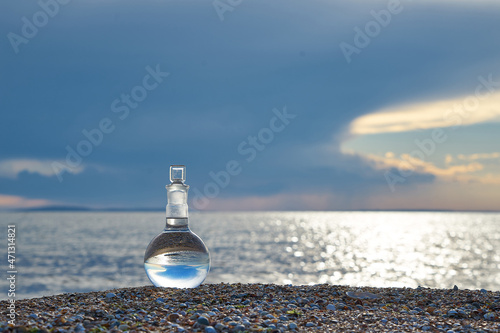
(239, 328)
(219, 327)
(210, 329)
(489, 316)
(203, 320)
(79, 328)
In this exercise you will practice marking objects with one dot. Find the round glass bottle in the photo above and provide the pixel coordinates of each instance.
(177, 257)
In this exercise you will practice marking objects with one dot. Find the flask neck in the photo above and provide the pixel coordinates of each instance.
(177, 208)
(177, 224)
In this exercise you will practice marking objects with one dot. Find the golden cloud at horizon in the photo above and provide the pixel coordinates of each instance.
(466, 110)
(464, 173)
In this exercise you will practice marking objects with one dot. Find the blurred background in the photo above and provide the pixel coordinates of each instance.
(311, 105)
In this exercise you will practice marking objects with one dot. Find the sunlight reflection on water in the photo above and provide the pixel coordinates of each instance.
(62, 252)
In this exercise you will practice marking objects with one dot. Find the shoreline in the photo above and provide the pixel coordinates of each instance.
(224, 307)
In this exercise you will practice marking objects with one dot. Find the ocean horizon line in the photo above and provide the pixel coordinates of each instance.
(148, 209)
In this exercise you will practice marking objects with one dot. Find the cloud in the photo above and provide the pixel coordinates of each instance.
(463, 173)
(13, 167)
(408, 162)
(474, 157)
(466, 110)
(14, 201)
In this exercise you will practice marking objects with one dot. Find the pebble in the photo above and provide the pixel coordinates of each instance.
(489, 316)
(210, 329)
(110, 295)
(173, 317)
(203, 320)
(219, 327)
(269, 308)
(79, 328)
(362, 295)
(239, 328)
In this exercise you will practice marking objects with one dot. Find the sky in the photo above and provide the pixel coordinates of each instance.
(271, 105)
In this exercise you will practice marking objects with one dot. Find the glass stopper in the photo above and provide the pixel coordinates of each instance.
(177, 173)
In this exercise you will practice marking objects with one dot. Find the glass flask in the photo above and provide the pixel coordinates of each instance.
(177, 257)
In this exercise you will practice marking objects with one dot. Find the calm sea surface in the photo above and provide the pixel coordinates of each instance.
(60, 252)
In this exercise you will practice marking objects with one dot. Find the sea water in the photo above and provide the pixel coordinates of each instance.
(61, 252)
(183, 269)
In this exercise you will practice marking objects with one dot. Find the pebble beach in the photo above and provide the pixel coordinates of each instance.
(223, 307)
